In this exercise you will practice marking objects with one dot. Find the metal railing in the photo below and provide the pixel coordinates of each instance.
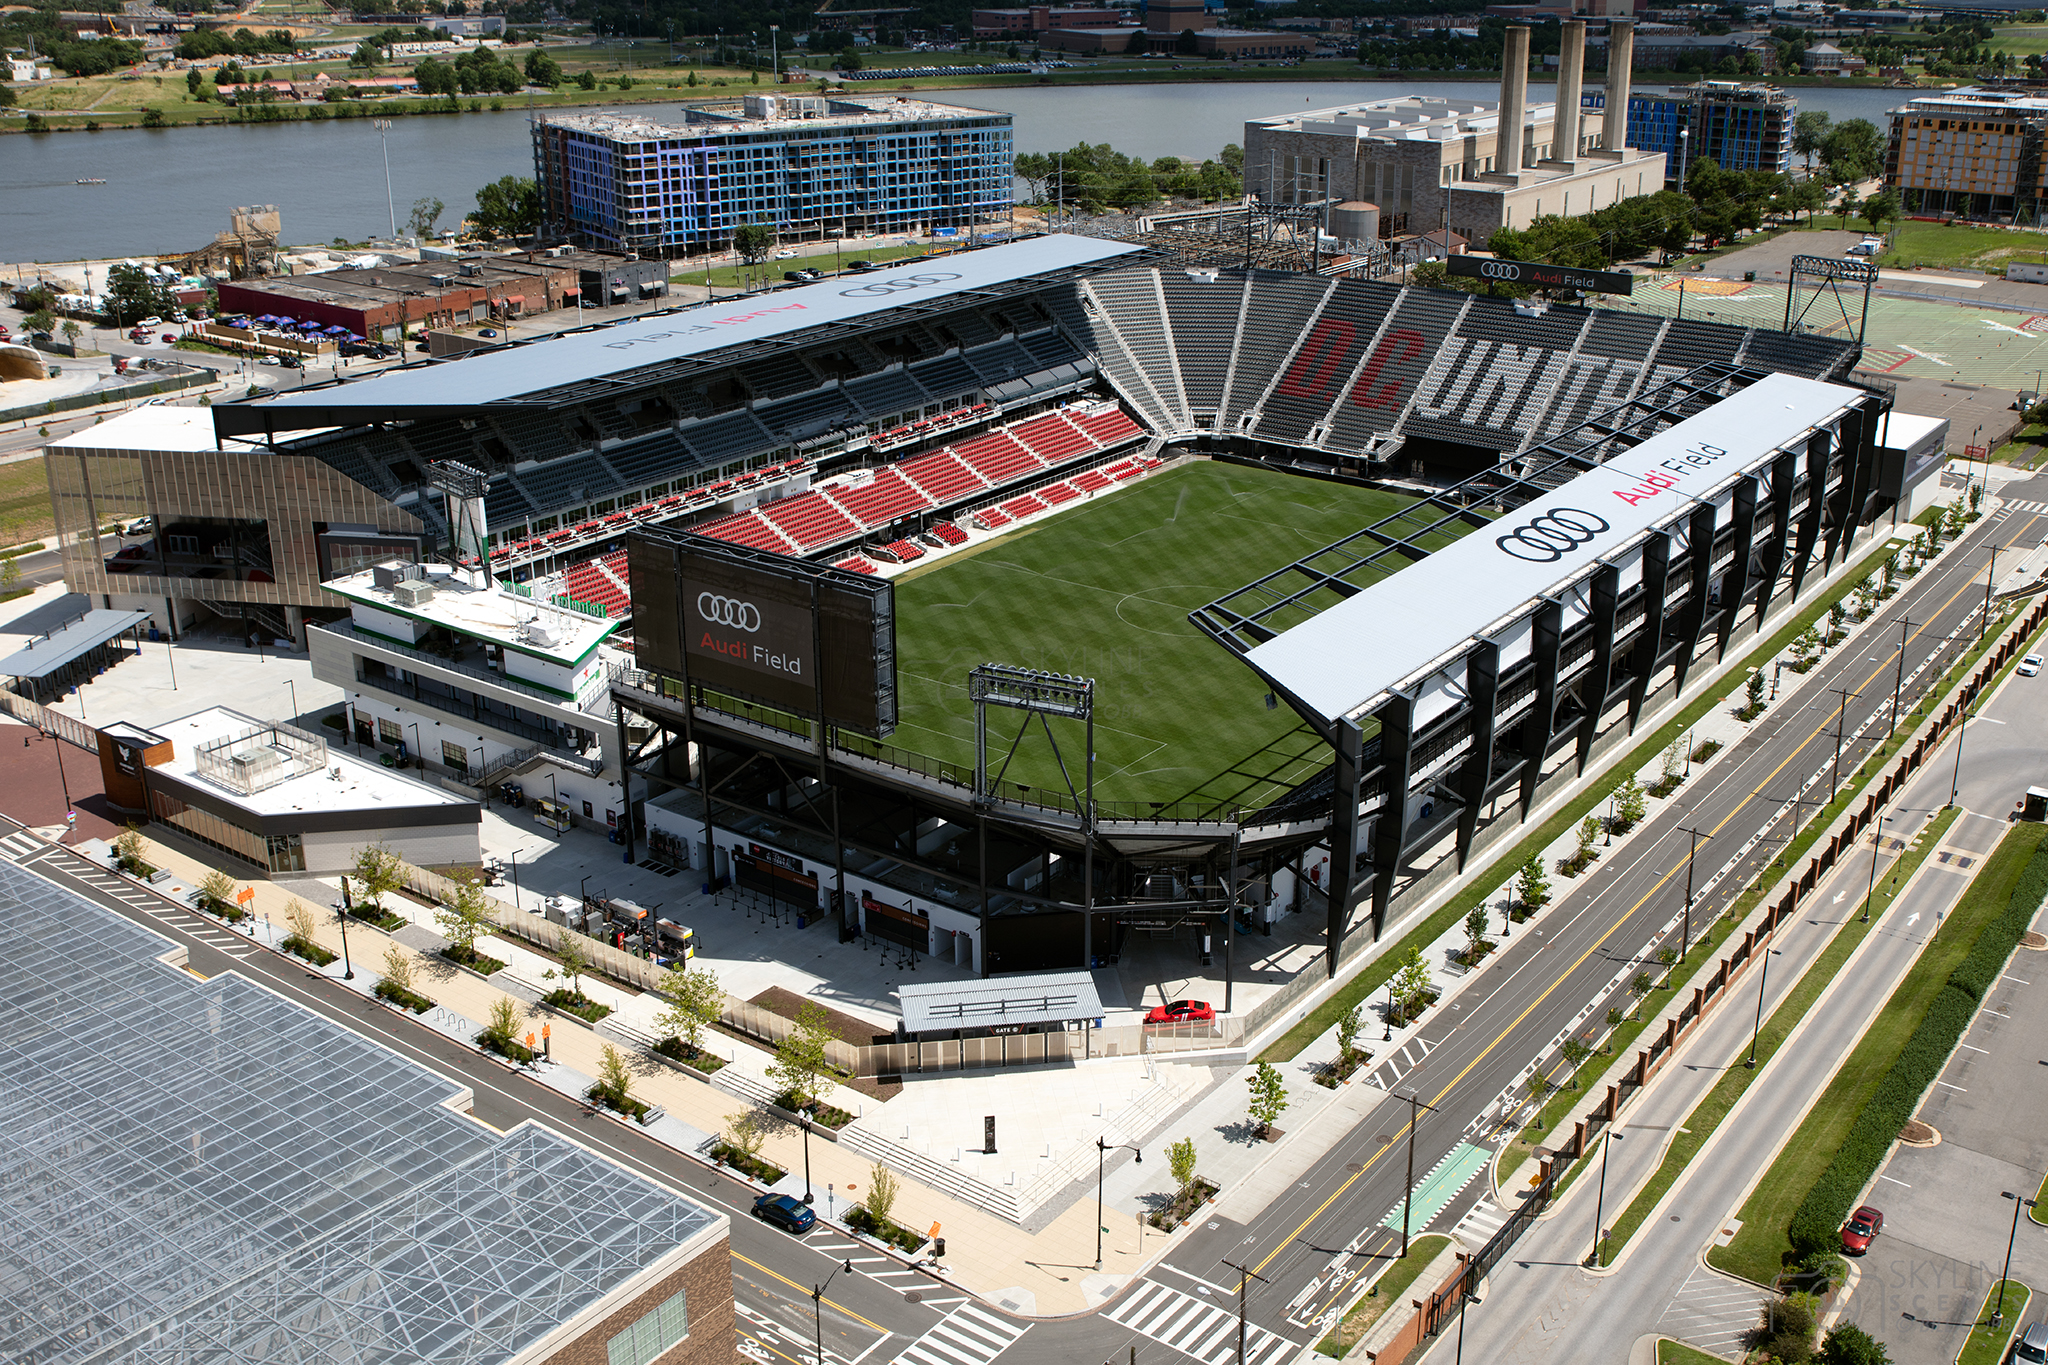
(497, 679)
(75, 732)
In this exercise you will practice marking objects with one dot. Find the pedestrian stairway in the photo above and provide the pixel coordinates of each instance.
(1205, 1331)
(968, 1336)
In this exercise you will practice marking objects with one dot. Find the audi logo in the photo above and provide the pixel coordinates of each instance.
(729, 611)
(1551, 536)
(1499, 270)
(882, 288)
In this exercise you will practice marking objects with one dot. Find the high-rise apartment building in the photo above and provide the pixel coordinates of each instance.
(1740, 125)
(1970, 152)
(810, 166)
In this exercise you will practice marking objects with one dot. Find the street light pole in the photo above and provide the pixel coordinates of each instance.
(348, 971)
(1600, 1205)
(1899, 679)
(1870, 891)
(1990, 580)
(805, 1119)
(1102, 1149)
(2018, 1200)
(818, 1306)
(1757, 1027)
(1955, 781)
(1841, 712)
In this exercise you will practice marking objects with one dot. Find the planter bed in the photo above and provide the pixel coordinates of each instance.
(628, 1107)
(389, 921)
(1184, 1206)
(402, 998)
(698, 1063)
(822, 1115)
(311, 952)
(884, 1230)
(1339, 1071)
(576, 1005)
(233, 914)
(750, 1166)
(1403, 1018)
(510, 1051)
(473, 961)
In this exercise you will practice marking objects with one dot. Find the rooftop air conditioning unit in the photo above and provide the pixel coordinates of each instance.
(413, 592)
(469, 268)
(387, 574)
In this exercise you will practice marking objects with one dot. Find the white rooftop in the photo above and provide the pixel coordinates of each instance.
(153, 426)
(1412, 118)
(714, 123)
(489, 612)
(361, 786)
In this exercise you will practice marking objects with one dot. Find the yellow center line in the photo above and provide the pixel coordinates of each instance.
(1597, 943)
(807, 1293)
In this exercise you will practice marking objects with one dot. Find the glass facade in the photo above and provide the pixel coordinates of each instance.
(211, 829)
(646, 1340)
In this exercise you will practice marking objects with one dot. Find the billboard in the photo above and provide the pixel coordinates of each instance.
(792, 635)
(1540, 276)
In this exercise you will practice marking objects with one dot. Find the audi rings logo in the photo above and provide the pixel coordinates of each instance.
(729, 611)
(1553, 535)
(1499, 270)
(883, 288)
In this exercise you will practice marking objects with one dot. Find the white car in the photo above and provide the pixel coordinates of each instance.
(2029, 666)
(150, 322)
(1868, 247)
(786, 254)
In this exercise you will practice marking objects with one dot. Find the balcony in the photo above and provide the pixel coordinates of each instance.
(376, 644)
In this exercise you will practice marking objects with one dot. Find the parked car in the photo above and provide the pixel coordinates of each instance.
(151, 322)
(170, 338)
(486, 332)
(787, 253)
(1181, 1012)
(141, 526)
(793, 276)
(1861, 1230)
(1869, 246)
(2029, 666)
(2033, 1344)
(5, 335)
(860, 267)
(139, 334)
(786, 1212)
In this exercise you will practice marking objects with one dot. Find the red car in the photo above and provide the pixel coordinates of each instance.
(1861, 1230)
(1182, 1012)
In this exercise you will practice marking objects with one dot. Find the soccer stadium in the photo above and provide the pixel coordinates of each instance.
(1110, 594)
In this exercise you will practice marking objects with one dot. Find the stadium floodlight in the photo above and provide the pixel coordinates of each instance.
(456, 478)
(1031, 689)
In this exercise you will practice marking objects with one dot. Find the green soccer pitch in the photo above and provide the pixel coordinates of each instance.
(1103, 590)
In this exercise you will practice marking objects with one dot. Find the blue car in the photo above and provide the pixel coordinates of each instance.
(786, 1212)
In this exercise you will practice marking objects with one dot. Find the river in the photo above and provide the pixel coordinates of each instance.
(169, 190)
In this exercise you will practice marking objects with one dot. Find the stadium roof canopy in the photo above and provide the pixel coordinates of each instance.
(574, 365)
(204, 1170)
(1391, 635)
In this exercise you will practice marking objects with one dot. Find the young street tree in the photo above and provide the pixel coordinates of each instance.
(397, 968)
(465, 918)
(1533, 886)
(1475, 932)
(753, 242)
(799, 1065)
(1180, 1159)
(1269, 1097)
(882, 1190)
(614, 1078)
(1628, 805)
(375, 872)
(746, 1131)
(1411, 982)
(218, 889)
(695, 1002)
(1348, 1026)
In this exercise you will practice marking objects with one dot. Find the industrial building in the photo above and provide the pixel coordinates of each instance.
(809, 166)
(1976, 153)
(1428, 163)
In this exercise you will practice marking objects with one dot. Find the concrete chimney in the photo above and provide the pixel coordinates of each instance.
(1621, 61)
(1571, 73)
(1514, 100)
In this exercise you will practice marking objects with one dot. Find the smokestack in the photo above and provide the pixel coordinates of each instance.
(1514, 100)
(1621, 60)
(1571, 72)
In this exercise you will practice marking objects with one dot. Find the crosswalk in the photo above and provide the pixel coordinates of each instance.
(21, 843)
(20, 846)
(1388, 1073)
(914, 1285)
(1204, 1331)
(2024, 505)
(968, 1336)
(1477, 1227)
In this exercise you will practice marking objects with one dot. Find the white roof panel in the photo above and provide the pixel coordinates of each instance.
(1398, 628)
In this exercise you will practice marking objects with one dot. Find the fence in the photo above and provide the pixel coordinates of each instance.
(543, 933)
(75, 732)
(1855, 823)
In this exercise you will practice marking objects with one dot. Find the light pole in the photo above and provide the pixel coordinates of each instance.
(1685, 943)
(1990, 581)
(62, 781)
(383, 126)
(1103, 1149)
(348, 971)
(774, 54)
(1388, 1036)
(803, 1117)
(478, 749)
(418, 758)
(1841, 714)
(1955, 781)
(1757, 1027)
(2018, 1201)
(1470, 1301)
(515, 876)
(1600, 1204)
(818, 1306)
(295, 699)
(1870, 891)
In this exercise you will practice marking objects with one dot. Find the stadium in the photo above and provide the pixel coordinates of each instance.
(1106, 594)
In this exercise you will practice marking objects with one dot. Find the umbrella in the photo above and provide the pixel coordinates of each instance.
(239, 322)
(309, 326)
(338, 331)
(284, 322)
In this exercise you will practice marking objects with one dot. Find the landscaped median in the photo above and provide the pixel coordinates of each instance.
(1989, 1339)
(1384, 1292)
(1375, 974)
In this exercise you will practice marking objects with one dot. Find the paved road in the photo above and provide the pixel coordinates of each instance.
(874, 1314)
(1311, 1246)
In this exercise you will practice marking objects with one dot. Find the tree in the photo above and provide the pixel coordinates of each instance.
(1628, 804)
(298, 917)
(586, 80)
(613, 1078)
(1180, 1159)
(1589, 834)
(1348, 1025)
(1475, 932)
(1848, 204)
(508, 207)
(425, 212)
(128, 843)
(1755, 689)
(134, 293)
(1853, 151)
(1411, 982)
(799, 1065)
(193, 81)
(218, 890)
(745, 1132)
(1809, 134)
(398, 968)
(365, 57)
(72, 331)
(1575, 1053)
(375, 873)
(1639, 986)
(542, 69)
(882, 1190)
(435, 77)
(465, 918)
(695, 1001)
(503, 1025)
(1880, 209)
(1269, 1096)
(1533, 886)
(753, 241)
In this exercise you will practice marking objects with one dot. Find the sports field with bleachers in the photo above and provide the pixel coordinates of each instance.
(1103, 591)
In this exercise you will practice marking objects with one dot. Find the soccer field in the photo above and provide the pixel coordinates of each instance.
(1103, 591)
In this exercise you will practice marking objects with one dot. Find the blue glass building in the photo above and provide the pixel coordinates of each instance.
(1741, 125)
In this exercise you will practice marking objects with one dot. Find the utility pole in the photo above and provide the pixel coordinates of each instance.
(1415, 1108)
(1246, 1276)
(1899, 681)
(1835, 773)
(1990, 580)
(1685, 943)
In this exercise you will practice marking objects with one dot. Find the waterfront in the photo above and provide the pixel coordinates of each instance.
(169, 190)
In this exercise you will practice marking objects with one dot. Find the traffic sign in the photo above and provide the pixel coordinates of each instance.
(1973, 452)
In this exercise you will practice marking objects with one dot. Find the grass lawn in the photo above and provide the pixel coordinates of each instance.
(1706, 1116)
(2040, 1203)
(25, 512)
(1104, 592)
(1987, 1343)
(1678, 1353)
(1386, 1290)
(1760, 1250)
(1958, 247)
(770, 271)
(2019, 39)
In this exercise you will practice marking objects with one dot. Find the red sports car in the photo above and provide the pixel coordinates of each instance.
(1861, 1230)
(1181, 1012)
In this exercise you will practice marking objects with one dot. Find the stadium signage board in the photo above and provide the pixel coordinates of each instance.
(1829, 268)
(795, 636)
(1395, 632)
(1539, 276)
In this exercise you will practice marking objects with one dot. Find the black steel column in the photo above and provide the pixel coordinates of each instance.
(1784, 472)
(1390, 831)
(1343, 838)
(1482, 688)
(1859, 434)
(1693, 620)
(625, 783)
(1735, 590)
(1546, 625)
(1819, 450)
(1650, 638)
(1599, 679)
(1839, 515)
